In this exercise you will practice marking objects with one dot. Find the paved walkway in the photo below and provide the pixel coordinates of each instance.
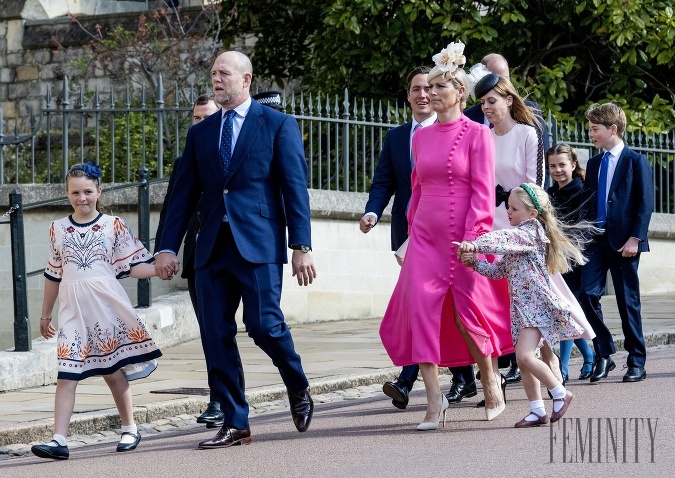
(336, 356)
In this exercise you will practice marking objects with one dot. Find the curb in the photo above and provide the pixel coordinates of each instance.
(95, 422)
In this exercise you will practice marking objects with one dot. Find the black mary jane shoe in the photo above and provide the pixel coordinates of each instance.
(586, 374)
(132, 445)
(55, 451)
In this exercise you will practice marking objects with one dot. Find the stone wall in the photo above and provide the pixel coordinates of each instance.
(30, 63)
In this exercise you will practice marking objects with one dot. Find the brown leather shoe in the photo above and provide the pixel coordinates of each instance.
(227, 437)
(555, 416)
(302, 409)
(534, 423)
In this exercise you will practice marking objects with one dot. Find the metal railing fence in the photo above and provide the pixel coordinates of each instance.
(121, 132)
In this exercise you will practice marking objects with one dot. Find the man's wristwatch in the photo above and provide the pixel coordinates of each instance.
(301, 247)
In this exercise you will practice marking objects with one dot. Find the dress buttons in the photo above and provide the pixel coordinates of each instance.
(226, 191)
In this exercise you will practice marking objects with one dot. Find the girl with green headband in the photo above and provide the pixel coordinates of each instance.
(537, 247)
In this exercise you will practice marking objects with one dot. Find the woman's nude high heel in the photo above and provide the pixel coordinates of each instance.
(434, 425)
(492, 413)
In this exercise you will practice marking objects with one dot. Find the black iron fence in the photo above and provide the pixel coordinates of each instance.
(124, 134)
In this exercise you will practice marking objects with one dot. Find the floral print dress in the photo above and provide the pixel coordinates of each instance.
(523, 262)
(99, 331)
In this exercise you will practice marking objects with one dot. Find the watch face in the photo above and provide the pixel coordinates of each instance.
(305, 249)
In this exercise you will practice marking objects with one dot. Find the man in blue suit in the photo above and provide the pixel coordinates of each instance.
(392, 177)
(621, 199)
(248, 165)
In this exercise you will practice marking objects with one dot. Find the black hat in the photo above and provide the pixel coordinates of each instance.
(270, 98)
(485, 84)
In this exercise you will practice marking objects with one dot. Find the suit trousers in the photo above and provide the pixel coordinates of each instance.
(624, 270)
(459, 375)
(221, 285)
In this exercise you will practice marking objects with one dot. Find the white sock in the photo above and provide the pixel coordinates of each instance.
(126, 439)
(60, 439)
(557, 393)
(537, 408)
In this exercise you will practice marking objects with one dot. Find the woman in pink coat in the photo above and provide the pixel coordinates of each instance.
(441, 313)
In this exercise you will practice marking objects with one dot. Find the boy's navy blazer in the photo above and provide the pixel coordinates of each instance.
(264, 191)
(630, 201)
(392, 176)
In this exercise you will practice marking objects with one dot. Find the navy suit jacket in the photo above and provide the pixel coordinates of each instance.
(392, 177)
(190, 236)
(475, 113)
(630, 201)
(264, 191)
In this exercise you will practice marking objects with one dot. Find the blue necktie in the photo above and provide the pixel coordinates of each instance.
(412, 163)
(602, 191)
(226, 140)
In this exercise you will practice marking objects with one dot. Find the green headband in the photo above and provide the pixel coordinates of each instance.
(530, 192)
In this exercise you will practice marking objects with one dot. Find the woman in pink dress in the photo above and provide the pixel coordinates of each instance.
(441, 313)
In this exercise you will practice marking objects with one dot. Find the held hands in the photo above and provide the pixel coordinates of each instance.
(47, 330)
(303, 267)
(630, 248)
(466, 252)
(367, 222)
(166, 265)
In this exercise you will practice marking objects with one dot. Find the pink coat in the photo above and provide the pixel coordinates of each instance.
(453, 197)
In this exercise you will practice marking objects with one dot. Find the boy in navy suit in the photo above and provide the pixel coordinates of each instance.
(619, 187)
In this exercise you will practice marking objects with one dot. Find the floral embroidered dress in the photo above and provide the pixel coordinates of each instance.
(99, 331)
(534, 302)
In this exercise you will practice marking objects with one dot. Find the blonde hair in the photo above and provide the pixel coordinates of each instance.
(563, 251)
(459, 79)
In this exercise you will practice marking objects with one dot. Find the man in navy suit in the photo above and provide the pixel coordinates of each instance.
(621, 199)
(248, 165)
(392, 177)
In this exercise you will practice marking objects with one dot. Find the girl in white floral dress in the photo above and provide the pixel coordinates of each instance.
(99, 331)
(530, 252)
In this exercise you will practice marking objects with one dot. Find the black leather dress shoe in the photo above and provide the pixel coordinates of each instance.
(635, 374)
(302, 409)
(226, 437)
(513, 375)
(53, 450)
(398, 394)
(132, 445)
(461, 390)
(602, 367)
(212, 416)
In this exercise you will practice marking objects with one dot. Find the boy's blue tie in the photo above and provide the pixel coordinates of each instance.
(602, 191)
(226, 140)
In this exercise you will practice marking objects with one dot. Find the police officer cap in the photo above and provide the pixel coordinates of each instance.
(270, 98)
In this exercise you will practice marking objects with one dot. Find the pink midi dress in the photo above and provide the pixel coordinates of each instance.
(453, 197)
